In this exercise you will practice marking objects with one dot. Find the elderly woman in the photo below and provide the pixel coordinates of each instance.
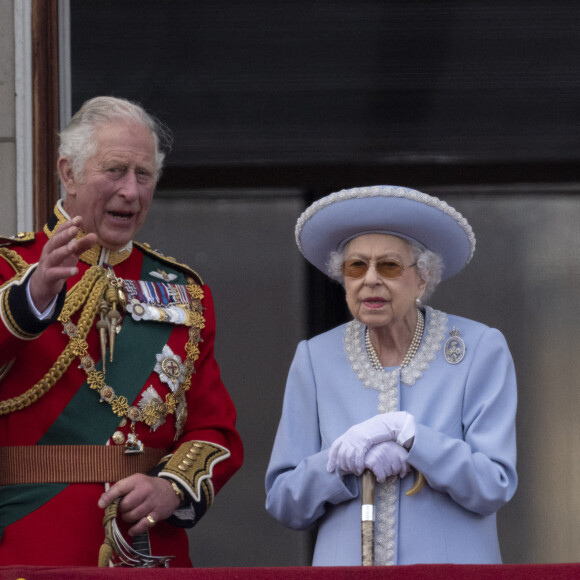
(401, 386)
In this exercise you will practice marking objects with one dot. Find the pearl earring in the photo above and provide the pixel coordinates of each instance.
(417, 302)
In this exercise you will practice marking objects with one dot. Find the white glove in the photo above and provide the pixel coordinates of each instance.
(386, 459)
(348, 451)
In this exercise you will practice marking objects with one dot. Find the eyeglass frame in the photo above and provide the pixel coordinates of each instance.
(376, 262)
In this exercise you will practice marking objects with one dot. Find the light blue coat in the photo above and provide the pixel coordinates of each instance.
(465, 445)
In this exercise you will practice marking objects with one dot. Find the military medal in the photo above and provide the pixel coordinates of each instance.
(170, 369)
(102, 296)
(157, 301)
(173, 372)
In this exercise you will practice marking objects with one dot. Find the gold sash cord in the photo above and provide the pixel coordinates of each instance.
(73, 463)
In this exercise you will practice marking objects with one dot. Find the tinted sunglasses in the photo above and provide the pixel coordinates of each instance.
(358, 268)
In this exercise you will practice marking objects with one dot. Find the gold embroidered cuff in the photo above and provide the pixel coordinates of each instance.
(192, 464)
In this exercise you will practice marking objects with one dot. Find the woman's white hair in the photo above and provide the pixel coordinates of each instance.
(77, 141)
(429, 265)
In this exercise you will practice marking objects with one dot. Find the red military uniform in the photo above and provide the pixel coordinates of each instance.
(162, 391)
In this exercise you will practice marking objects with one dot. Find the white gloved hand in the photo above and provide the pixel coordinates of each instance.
(348, 451)
(386, 459)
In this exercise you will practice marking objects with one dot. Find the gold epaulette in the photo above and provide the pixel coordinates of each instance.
(168, 260)
(21, 238)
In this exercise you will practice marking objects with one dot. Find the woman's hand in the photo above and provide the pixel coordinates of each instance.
(348, 452)
(142, 497)
(387, 459)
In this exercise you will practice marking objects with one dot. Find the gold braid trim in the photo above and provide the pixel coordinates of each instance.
(192, 351)
(89, 289)
(109, 543)
(9, 319)
(61, 219)
(155, 410)
(21, 268)
(15, 260)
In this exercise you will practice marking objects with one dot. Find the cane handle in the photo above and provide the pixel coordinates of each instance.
(418, 485)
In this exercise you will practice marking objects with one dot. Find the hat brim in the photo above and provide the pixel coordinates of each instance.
(328, 224)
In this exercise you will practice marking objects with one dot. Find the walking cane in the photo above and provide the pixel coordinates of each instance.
(368, 518)
(368, 482)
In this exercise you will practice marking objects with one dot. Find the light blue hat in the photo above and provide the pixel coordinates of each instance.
(329, 223)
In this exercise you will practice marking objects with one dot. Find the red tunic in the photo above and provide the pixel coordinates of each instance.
(67, 529)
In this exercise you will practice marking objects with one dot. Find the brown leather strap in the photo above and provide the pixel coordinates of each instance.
(73, 463)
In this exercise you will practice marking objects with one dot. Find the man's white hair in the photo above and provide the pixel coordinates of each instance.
(77, 141)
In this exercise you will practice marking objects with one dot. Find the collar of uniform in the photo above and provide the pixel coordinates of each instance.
(97, 255)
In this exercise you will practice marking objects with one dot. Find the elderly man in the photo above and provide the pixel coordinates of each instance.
(111, 400)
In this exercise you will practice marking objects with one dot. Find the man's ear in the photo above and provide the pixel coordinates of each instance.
(66, 175)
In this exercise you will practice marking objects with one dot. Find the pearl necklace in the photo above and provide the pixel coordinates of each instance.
(411, 352)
